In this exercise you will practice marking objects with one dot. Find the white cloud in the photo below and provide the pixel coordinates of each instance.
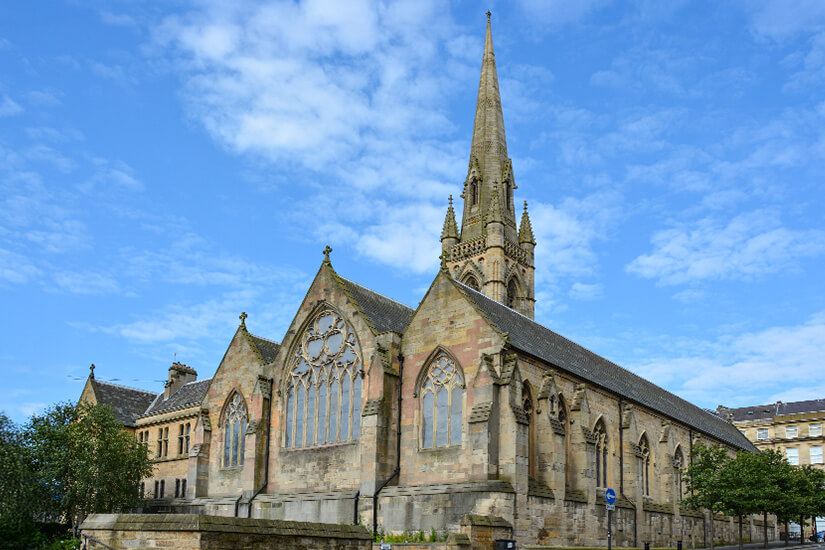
(748, 246)
(583, 291)
(16, 269)
(736, 369)
(8, 107)
(88, 282)
(782, 19)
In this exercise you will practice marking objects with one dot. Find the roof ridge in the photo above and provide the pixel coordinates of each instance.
(375, 292)
(265, 339)
(124, 387)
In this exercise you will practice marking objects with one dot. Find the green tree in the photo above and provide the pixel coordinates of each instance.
(86, 462)
(18, 488)
(811, 487)
(741, 482)
(704, 481)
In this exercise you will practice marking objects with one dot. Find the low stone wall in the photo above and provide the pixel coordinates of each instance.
(196, 532)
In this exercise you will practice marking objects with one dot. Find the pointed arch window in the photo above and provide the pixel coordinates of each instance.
(528, 406)
(234, 431)
(323, 403)
(512, 293)
(473, 193)
(644, 454)
(471, 282)
(442, 401)
(678, 464)
(600, 433)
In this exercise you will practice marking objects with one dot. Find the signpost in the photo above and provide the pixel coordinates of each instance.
(610, 505)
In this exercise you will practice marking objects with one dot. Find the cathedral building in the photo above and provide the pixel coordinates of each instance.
(461, 410)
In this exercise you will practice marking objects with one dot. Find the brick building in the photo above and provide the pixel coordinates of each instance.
(372, 411)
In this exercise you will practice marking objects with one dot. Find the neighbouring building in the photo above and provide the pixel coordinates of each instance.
(461, 410)
(794, 428)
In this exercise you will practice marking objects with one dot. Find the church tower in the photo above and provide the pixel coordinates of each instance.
(491, 253)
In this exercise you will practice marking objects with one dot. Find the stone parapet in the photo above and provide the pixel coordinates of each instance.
(191, 531)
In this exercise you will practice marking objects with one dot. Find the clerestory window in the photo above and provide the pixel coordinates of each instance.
(323, 404)
(234, 431)
(442, 400)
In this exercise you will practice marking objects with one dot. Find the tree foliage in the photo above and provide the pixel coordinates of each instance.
(67, 463)
(762, 482)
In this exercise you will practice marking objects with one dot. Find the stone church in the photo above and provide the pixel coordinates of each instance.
(461, 410)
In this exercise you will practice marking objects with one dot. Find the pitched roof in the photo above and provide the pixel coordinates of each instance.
(187, 395)
(127, 403)
(534, 339)
(267, 348)
(762, 412)
(384, 314)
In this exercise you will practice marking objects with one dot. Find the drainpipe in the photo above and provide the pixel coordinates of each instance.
(621, 474)
(397, 470)
(266, 460)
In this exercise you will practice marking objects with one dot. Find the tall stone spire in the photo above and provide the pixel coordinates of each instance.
(489, 164)
(488, 253)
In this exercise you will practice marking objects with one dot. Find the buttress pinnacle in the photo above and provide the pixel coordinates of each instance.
(525, 232)
(450, 230)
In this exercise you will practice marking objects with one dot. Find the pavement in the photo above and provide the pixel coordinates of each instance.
(774, 545)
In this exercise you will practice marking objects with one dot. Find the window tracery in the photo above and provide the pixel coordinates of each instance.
(471, 282)
(644, 450)
(442, 400)
(234, 431)
(323, 403)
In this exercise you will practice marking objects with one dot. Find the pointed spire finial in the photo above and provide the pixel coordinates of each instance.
(525, 232)
(327, 250)
(242, 317)
(92, 370)
(450, 229)
(489, 13)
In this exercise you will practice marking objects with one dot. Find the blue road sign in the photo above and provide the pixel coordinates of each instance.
(610, 496)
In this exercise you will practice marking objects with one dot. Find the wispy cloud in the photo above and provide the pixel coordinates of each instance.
(740, 369)
(748, 246)
(9, 107)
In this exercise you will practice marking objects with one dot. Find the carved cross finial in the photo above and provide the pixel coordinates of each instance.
(243, 317)
(525, 206)
(443, 258)
(327, 250)
(451, 200)
(489, 13)
(92, 370)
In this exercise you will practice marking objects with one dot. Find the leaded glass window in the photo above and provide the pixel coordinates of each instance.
(644, 452)
(323, 403)
(234, 431)
(442, 397)
(600, 434)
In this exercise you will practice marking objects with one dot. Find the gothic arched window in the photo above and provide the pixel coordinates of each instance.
(471, 282)
(644, 451)
(528, 406)
(600, 432)
(473, 193)
(508, 199)
(678, 464)
(234, 431)
(512, 293)
(323, 404)
(442, 399)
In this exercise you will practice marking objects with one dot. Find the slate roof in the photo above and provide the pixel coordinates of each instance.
(128, 403)
(266, 347)
(538, 341)
(187, 395)
(385, 314)
(762, 412)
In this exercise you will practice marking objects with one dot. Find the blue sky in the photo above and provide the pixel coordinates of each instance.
(165, 166)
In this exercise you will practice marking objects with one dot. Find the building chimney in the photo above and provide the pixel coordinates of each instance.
(179, 374)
